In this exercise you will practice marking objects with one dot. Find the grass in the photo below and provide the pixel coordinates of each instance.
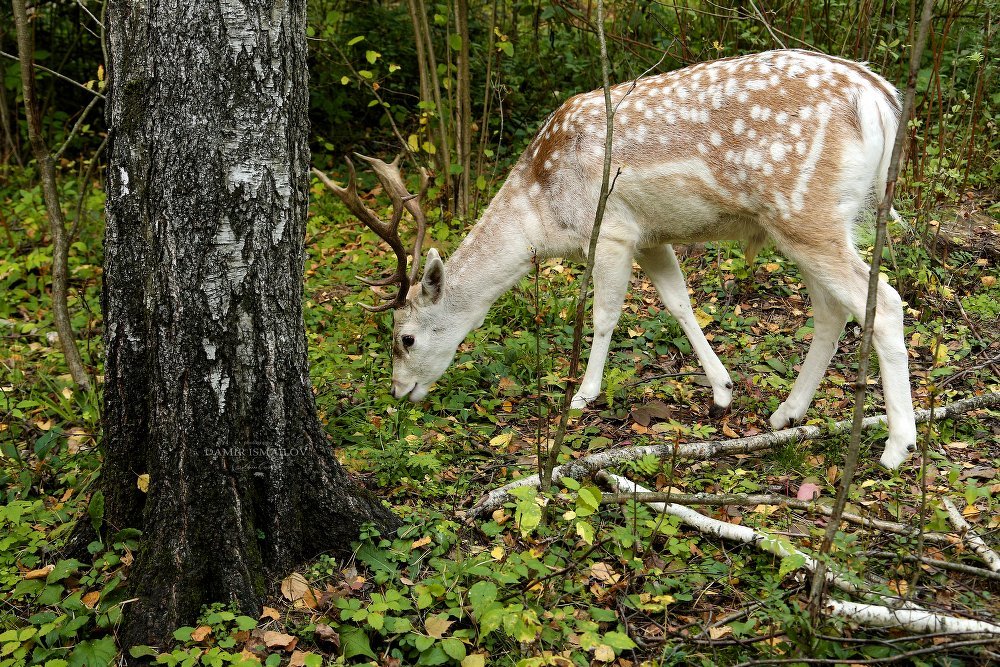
(587, 583)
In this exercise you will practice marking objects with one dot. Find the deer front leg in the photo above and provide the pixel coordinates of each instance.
(660, 264)
(612, 270)
(829, 318)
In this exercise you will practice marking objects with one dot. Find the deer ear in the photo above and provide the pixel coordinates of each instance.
(432, 284)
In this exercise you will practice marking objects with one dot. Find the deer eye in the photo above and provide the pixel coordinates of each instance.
(407, 340)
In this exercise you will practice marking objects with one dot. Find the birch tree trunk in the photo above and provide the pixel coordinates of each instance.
(207, 385)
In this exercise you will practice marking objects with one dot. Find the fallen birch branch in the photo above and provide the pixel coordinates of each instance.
(811, 507)
(729, 531)
(911, 617)
(966, 532)
(587, 465)
(914, 620)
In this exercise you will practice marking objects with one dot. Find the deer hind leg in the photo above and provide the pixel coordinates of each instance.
(660, 264)
(612, 270)
(843, 277)
(829, 318)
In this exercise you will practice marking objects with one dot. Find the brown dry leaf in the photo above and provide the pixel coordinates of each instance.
(40, 573)
(728, 432)
(831, 474)
(436, 626)
(298, 658)
(901, 586)
(422, 542)
(324, 633)
(270, 612)
(280, 640)
(719, 633)
(294, 586)
(604, 572)
(90, 599)
(201, 633)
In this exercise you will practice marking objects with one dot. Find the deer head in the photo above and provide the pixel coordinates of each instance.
(425, 336)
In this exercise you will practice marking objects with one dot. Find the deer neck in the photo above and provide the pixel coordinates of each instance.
(490, 260)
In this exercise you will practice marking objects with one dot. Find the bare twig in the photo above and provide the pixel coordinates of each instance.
(581, 301)
(57, 223)
(55, 74)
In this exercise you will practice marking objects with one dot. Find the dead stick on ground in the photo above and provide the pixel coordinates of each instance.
(970, 535)
(705, 450)
(807, 506)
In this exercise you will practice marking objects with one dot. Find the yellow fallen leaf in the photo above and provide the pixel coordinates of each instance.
(143, 482)
(436, 626)
(201, 633)
(90, 599)
(270, 612)
(474, 660)
(703, 318)
(498, 553)
(604, 653)
(422, 542)
(501, 440)
(719, 633)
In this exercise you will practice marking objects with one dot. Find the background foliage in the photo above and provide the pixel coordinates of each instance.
(589, 583)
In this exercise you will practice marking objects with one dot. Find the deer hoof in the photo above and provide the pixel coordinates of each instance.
(580, 402)
(894, 455)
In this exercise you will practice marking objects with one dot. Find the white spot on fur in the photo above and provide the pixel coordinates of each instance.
(716, 139)
(743, 96)
(778, 151)
(738, 126)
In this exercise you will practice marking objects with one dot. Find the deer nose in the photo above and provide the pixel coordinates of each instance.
(400, 390)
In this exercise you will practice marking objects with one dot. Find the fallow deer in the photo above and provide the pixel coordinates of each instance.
(784, 146)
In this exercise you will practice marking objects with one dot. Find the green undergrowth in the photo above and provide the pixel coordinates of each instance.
(556, 578)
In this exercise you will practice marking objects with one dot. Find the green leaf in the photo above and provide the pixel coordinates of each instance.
(246, 622)
(790, 563)
(141, 651)
(355, 642)
(585, 531)
(455, 42)
(423, 642)
(528, 516)
(344, 80)
(619, 641)
(481, 594)
(183, 633)
(590, 497)
(96, 510)
(454, 648)
(372, 56)
(93, 652)
(507, 48)
(359, 38)
(366, 74)
(314, 660)
(63, 569)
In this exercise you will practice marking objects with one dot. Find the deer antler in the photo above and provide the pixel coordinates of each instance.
(392, 182)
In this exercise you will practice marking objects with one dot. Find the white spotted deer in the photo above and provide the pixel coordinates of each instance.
(784, 146)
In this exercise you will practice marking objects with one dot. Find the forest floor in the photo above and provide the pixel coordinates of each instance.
(546, 579)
